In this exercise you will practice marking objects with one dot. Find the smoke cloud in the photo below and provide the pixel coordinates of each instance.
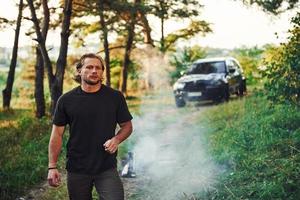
(170, 156)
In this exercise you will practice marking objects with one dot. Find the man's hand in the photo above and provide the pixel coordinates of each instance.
(111, 145)
(53, 177)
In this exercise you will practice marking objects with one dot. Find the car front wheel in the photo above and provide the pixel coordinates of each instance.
(242, 88)
(226, 94)
(179, 102)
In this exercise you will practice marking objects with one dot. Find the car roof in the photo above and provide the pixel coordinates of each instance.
(215, 59)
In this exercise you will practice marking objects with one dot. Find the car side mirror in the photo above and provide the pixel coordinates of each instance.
(231, 70)
(182, 73)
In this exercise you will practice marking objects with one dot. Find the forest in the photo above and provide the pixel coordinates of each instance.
(247, 148)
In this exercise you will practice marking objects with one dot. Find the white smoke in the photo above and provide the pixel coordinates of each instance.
(170, 151)
(154, 67)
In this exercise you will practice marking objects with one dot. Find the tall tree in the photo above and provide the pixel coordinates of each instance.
(55, 81)
(39, 67)
(11, 74)
(41, 44)
(61, 62)
(105, 41)
(143, 22)
(128, 47)
(167, 9)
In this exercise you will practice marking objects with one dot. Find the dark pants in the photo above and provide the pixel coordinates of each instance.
(108, 185)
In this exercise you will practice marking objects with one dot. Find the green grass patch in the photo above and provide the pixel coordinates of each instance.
(23, 152)
(259, 146)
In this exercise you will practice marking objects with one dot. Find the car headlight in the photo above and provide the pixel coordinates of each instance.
(178, 85)
(216, 82)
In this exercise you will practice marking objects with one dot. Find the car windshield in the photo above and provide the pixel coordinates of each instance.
(207, 68)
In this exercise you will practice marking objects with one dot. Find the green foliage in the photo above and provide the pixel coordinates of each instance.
(259, 147)
(24, 152)
(283, 69)
(115, 72)
(187, 9)
(194, 28)
(274, 6)
(250, 60)
(168, 9)
(133, 75)
(183, 59)
(2, 80)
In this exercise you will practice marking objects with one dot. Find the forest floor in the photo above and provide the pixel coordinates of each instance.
(169, 146)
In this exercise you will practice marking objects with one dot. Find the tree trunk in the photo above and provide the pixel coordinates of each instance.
(57, 88)
(39, 85)
(41, 44)
(105, 42)
(162, 40)
(39, 67)
(146, 29)
(11, 74)
(128, 48)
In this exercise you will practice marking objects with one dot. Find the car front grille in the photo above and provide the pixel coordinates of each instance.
(194, 86)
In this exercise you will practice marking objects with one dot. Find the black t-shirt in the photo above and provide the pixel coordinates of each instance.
(92, 118)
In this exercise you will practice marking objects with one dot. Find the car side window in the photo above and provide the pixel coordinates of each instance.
(230, 65)
(237, 67)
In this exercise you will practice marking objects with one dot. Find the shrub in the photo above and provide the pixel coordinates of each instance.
(283, 70)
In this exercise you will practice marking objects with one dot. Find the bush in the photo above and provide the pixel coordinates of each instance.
(182, 60)
(250, 60)
(258, 143)
(23, 154)
(283, 70)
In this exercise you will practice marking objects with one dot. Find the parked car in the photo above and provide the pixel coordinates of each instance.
(210, 79)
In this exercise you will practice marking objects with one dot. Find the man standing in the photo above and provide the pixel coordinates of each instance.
(92, 111)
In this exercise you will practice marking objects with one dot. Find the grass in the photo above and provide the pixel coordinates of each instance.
(259, 146)
(24, 153)
(257, 143)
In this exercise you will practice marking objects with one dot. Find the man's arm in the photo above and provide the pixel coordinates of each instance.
(55, 145)
(111, 145)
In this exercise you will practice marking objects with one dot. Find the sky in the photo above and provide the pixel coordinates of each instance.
(233, 25)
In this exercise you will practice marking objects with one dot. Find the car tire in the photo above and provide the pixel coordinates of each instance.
(226, 93)
(242, 88)
(241, 91)
(179, 102)
(224, 96)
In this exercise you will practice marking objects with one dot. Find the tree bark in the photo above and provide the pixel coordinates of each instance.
(39, 85)
(105, 42)
(39, 67)
(162, 40)
(146, 29)
(128, 48)
(163, 12)
(57, 87)
(11, 74)
(41, 44)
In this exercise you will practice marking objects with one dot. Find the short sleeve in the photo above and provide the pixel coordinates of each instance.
(60, 117)
(123, 114)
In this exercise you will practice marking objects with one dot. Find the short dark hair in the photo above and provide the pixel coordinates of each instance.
(80, 63)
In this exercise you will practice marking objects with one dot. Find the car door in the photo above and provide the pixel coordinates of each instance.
(233, 75)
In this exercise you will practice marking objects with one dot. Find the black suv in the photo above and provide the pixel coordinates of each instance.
(210, 79)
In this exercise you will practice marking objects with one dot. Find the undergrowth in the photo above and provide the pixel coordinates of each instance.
(258, 145)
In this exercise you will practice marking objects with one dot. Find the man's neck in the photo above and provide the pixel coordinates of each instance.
(90, 88)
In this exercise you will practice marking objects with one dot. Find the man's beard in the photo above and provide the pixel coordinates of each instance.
(91, 82)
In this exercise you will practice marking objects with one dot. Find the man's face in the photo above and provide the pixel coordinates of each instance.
(91, 72)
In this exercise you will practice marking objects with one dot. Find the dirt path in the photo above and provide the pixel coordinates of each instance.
(170, 155)
(171, 161)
